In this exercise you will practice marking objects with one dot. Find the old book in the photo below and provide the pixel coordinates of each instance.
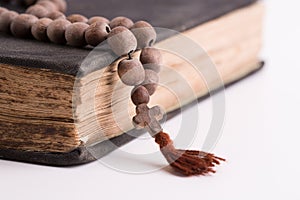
(50, 111)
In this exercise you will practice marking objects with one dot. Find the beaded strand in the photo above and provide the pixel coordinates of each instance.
(44, 20)
(142, 74)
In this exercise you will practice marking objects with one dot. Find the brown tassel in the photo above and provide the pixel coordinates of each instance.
(187, 162)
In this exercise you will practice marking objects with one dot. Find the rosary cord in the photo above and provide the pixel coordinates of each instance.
(44, 20)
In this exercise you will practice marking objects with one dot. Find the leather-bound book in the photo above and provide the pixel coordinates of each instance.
(54, 106)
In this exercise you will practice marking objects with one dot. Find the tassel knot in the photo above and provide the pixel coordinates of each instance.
(187, 162)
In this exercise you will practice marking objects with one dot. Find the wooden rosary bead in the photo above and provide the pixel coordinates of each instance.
(140, 95)
(56, 15)
(75, 34)
(150, 55)
(96, 33)
(145, 34)
(121, 21)
(61, 5)
(121, 41)
(21, 25)
(152, 66)
(98, 19)
(3, 10)
(6, 19)
(37, 10)
(151, 58)
(77, 18)
(39, 29)
(131, 72)
(50, 6)
(56, 31)
(151, 81)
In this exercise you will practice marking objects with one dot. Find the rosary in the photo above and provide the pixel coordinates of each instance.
(44, 20)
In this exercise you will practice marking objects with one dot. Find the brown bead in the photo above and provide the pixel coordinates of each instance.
(37, 10)
(77, 18)
(3, 10)
(151, 58)
(56, 15)
(152, 66)
(56, 31)
(151, 81)
(61, 5)
(145, 34)
(131, 72)
(21, 25)
(39, 29)
(75, 34)
(121, 41)
(6, 19)
(98, 19)
(140, 95)
(121, 21)
(150, 55)
(96, 33)
(50, 6)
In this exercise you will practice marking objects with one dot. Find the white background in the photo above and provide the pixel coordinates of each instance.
(260, 140)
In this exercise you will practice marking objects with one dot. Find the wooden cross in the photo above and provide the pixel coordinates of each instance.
(148, 118)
